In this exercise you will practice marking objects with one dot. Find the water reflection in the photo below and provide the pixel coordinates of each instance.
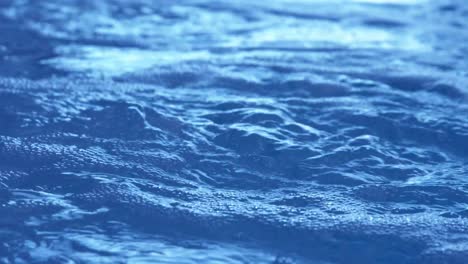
(182, 33)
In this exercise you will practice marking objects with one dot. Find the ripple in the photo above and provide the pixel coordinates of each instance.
(233, 132)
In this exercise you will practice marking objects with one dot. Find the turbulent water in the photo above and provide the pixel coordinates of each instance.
(281, 131)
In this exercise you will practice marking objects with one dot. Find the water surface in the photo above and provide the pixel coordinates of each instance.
(195, 131)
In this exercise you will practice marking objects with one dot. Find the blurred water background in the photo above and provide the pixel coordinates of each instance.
(195, 131)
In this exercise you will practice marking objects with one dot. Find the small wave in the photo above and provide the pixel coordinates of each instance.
(233, 132)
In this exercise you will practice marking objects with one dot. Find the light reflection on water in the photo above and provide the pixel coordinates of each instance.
(200, 32)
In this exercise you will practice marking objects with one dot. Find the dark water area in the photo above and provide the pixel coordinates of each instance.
(194, 131)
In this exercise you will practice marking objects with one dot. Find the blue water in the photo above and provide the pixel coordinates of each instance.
(196, 131)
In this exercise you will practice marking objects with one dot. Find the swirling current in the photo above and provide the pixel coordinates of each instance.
(196, 131)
